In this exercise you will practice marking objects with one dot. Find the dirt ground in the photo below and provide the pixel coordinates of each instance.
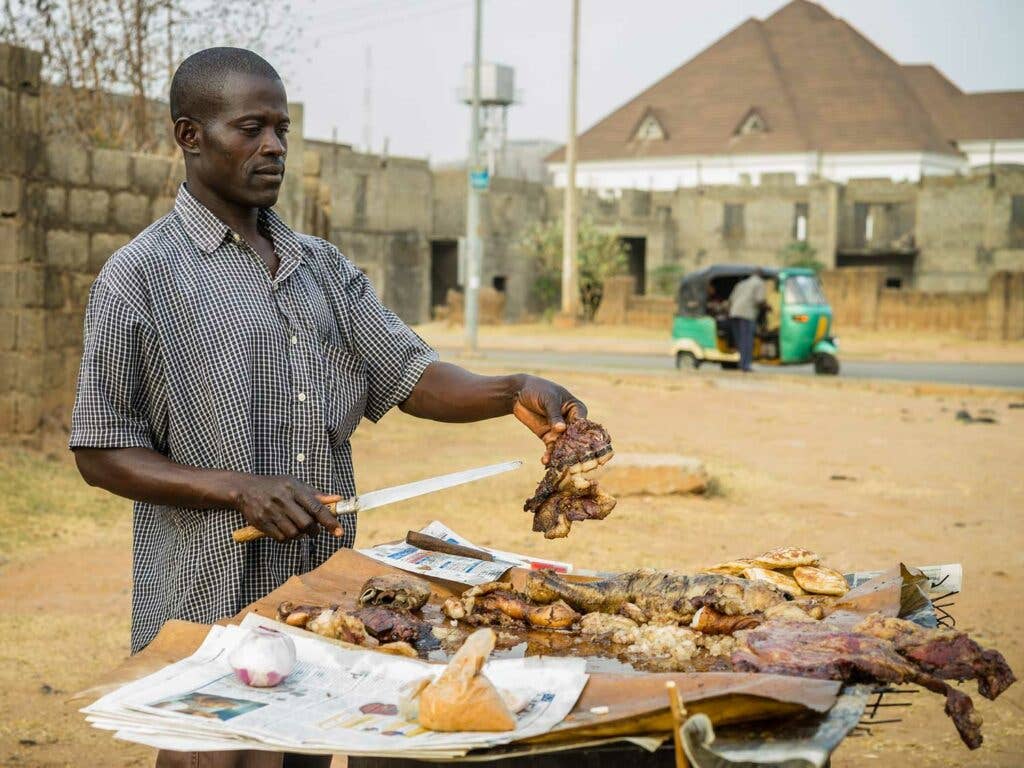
(925, 489)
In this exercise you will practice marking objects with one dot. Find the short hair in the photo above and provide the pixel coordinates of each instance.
(197, 83)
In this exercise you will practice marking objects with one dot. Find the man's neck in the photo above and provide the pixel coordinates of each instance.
(240, 218)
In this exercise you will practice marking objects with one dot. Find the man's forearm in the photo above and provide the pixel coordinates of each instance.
(142, 474)
(446, 392)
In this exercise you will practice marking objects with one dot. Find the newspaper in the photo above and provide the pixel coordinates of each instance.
(942, 579)
(337, 700)
(464, 570)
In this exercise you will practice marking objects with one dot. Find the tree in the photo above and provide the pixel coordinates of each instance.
(800, 254)
(599, 255)
(105, 61)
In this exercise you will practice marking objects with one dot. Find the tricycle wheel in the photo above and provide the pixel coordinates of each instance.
(826, 364)
(687, 361)
(730, 366)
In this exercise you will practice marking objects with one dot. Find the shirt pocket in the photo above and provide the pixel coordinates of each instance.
(345, 390)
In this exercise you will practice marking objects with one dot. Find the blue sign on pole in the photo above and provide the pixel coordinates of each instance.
(480, 178)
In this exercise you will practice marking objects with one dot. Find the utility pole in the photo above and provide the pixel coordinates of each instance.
(368, 103)
(474, 246)
(570, 282)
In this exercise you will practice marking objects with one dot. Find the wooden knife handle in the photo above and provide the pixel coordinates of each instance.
(249, 533)
(434, 544)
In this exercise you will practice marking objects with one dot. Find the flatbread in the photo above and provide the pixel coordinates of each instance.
(786, 557)
(786, 583)
(819, 580)
(730, 567)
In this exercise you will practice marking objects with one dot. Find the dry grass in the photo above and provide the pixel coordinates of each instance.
(927, 490)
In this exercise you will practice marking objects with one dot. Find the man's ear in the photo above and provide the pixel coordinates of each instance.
(187, 134)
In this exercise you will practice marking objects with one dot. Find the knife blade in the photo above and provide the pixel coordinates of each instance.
(397, 493)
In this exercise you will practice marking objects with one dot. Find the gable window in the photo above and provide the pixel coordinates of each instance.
(800, 211)
(649, 129)
(732, 221)
(752, 123)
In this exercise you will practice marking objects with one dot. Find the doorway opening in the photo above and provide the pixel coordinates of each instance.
(444, 270)
(636, 259)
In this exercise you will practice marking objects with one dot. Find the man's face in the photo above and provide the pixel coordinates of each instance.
(243, 141)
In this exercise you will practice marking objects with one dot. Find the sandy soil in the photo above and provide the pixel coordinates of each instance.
(856, 343)
(926, 489)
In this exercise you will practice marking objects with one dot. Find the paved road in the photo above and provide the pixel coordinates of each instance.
(1009, 375)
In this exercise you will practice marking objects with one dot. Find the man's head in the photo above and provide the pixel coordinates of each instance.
(230, 117)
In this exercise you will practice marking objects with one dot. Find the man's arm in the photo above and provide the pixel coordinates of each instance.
(446, 392)
(280, 506)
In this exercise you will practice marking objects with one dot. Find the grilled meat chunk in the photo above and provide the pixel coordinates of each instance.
(498, 603)
(398, 590)
(945, 653)
(660, 596)
(388, 625)
(879, 650)
(564, 495)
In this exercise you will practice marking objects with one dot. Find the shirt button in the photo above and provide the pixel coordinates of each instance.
(302, 397)
(236, 238)
(300, 457)
(294, 340)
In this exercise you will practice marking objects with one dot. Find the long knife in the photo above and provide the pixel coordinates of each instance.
(397, 493)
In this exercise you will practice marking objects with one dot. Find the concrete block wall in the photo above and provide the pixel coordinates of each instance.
(64, 209)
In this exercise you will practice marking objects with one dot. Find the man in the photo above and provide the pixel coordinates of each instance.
(227, 361)
(745, 302)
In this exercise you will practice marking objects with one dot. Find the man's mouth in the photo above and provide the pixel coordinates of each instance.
(273, 171)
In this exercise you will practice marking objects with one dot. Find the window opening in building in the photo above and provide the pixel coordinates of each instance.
(636, 259)
(362, 181)
(894, 282)
(800, 211)
(732, 221)
(1017, 221)
(498, 282)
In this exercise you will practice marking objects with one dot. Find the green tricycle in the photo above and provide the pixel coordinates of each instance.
(795, 327)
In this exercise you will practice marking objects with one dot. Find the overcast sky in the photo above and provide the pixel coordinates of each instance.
(420, 46)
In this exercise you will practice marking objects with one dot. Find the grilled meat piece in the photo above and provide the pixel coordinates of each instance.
(298, 615)
(660, 596)
(564, 495)
(872, 653)
(388, 625)
(498, 603)
(580, 500)
(583, 442)
(945, 653)
(399, 590)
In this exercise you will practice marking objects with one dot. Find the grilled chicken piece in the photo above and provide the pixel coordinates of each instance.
(564, 495)
(879, 650)
(398, 590)
(659, 596)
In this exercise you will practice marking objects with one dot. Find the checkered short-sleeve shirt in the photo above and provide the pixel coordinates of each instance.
(194, 350)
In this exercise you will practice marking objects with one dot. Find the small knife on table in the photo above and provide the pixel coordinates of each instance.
(397, 493)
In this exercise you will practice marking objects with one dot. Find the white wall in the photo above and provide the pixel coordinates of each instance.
(1000, 152)
(695, 170)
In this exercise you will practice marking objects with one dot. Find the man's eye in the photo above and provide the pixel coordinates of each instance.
(283, 129)
(251, 130)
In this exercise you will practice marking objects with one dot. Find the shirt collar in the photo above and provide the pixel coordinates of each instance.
(208, 232)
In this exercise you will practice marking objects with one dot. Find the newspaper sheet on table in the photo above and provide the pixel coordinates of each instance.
(942, 579)
(336, 700)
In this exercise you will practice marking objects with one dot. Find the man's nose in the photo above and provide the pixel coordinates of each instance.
(273, 144)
